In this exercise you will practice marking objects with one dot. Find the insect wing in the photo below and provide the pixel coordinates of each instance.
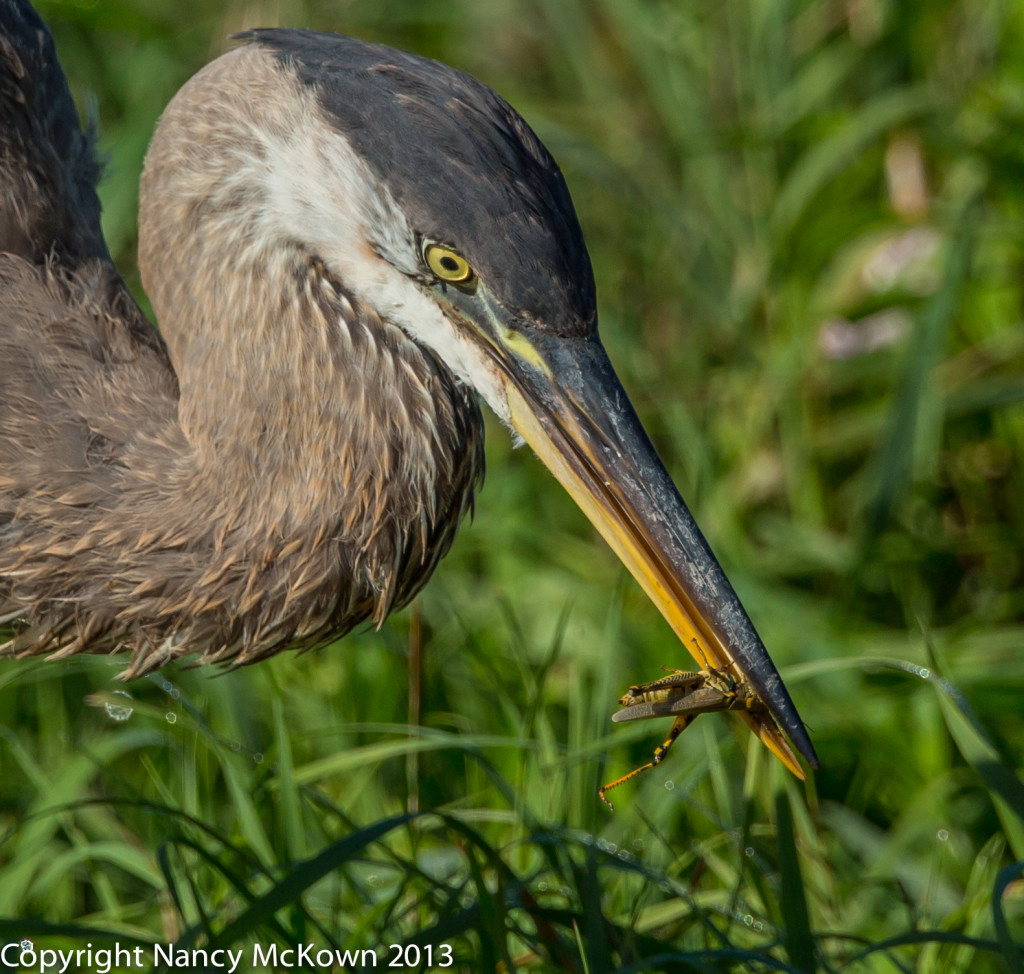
(704, 699)
(641, 711)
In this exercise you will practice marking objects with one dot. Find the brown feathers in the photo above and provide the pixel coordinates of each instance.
(116, 533)
(299, 468)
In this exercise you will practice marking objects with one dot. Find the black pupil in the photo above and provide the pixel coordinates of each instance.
(449, 263)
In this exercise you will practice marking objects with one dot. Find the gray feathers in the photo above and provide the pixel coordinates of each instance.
(461, 162)
(48, 169)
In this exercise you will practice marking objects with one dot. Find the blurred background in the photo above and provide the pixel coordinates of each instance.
(807, 225)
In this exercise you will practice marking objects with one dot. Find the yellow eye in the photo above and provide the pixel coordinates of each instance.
(448, 265)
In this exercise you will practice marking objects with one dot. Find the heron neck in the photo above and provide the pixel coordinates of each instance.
(324, 447)
(308, 404)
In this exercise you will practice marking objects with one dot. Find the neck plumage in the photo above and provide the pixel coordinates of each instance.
(330, 460)
(315, 464)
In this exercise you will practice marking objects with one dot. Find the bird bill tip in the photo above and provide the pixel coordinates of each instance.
(586, 433)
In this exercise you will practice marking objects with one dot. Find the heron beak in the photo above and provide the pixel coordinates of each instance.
(565, 400)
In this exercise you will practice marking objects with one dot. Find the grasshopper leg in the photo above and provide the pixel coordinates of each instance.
(678, 726)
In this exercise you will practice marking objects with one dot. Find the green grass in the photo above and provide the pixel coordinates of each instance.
(830, 362)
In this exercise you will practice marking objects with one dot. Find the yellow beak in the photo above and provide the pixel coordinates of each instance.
(565, 400)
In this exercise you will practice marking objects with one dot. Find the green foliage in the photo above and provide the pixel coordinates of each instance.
(807, 225)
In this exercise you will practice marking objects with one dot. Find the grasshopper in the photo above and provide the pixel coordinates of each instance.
(684, 696)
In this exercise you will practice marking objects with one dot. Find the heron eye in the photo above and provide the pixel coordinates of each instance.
(447, 265)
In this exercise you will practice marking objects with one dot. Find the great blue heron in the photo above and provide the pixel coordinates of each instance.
(344, 245)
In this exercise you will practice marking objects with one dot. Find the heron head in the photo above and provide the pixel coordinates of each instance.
(432, 202)
(458, 169)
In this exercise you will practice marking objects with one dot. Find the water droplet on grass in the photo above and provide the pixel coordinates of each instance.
(116, 710)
